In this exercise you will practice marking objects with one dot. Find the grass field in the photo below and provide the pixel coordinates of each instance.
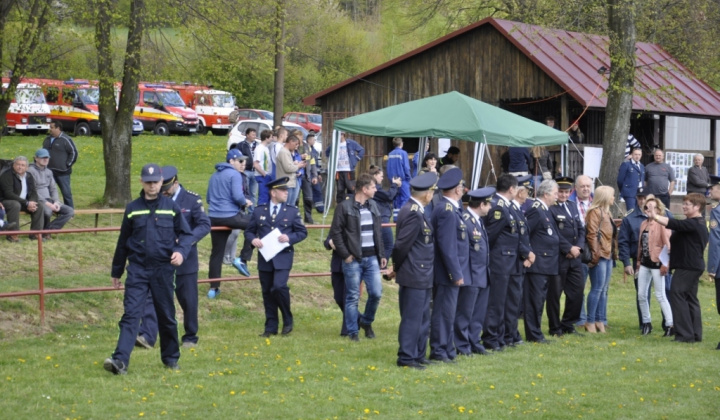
(55, 370)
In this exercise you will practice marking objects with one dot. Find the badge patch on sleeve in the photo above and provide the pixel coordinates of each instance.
(713, 224)
(497, 215)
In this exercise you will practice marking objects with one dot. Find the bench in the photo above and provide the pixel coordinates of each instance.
(96, 212)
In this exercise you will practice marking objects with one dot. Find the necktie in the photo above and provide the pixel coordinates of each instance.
(274, 211)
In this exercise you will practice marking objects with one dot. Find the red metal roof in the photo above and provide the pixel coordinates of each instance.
(572, 59)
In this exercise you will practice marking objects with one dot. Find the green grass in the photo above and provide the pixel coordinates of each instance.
(55, 370)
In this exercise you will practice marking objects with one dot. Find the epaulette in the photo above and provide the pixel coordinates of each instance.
(193, 193)
(536, 205)
(414, 207)
(448, 207)
(501, 203)
(628, 213)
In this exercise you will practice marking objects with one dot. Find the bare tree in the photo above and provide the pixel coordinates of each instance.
(622, 35)
(116, 123)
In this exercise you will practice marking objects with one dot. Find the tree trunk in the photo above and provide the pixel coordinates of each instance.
(116, 123)
(279, 90)
(621, 24)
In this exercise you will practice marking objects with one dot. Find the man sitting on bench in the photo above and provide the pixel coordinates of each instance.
(18, 192)
(47, 193)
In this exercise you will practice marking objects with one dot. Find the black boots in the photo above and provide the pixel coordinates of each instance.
(646, 328)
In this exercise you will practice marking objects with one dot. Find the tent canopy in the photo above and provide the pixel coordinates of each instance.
(455, 116)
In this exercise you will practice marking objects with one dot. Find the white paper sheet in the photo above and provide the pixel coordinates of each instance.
(665, 256)
(271, 246)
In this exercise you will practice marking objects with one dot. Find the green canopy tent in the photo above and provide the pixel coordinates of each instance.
(450, 115)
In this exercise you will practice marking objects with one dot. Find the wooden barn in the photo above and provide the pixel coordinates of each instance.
(535, 72)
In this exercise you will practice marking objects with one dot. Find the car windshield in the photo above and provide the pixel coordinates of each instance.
(89, 96)
(170, 98)
(267, 115)
(314, 118)
(29, 96)
(223, 100)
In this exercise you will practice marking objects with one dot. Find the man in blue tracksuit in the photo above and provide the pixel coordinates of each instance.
(398, 165)
(154, 240)
(186, 276)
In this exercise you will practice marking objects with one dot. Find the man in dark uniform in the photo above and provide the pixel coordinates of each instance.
(473, 299)
(569, 279)
(544, 238)
(274, 274)
(504, 242)
(525, 257)
(413, 259)
(452, 250)
(186, 276)
(714, 239)
(154, 240)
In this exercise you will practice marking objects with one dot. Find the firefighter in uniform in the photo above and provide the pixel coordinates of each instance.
(545, 240)
(186, 276)
(154, 240)
(413, 259)
(473, 299)
(274, 274)
(570, 271)
(452, 250)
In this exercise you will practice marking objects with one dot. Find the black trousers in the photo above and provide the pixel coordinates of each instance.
(307, 199)
(570, 282)
(219, 238)
(338, 285)
(276, 295)
(513, 306)
(414, 324)
(685, 305)
(534, 293)
(493, 334)
(345, 185)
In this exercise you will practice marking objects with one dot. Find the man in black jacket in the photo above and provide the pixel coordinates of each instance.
(63, 155)
(355, 231)
(18, 192)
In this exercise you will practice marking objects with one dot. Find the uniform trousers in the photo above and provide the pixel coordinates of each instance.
(569, 281)
(219, 239)
(276, 295)
(513, 306)
(186, 291)
(158, 280)
(534, 293)
(469, 318)
(441, 322)
(493, 335)
(414, 324)
(685, 305)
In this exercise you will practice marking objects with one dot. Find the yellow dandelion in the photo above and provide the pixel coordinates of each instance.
(367, 411)
(540, 375)
(492, 386)
(48, 358)
(141, 414)
(232, 392)
(461, 409)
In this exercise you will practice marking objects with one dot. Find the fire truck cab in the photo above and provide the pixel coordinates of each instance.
(28, 112)
(162, 111)
(213, 107)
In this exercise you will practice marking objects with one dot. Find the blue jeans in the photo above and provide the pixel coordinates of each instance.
(63, 184)
(583, 314)
(597, 298)
(367, 270)
(252, 186)
(294, 193)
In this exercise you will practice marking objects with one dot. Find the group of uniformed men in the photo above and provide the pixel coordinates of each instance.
(478, 268)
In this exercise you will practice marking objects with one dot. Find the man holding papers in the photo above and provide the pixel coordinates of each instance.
(276, 225)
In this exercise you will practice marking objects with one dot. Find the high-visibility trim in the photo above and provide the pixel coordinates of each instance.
(138, 213)
(170, 212)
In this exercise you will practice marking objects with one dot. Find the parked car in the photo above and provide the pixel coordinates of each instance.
(311, 122)
(254, 114)
(237, 134)
(137, 127)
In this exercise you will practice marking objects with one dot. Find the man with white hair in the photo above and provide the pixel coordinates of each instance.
(18, 192)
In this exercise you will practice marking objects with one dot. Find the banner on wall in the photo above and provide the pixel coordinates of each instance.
(681, 163)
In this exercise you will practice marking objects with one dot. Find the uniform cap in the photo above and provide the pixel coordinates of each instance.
(482, 194)
(169, 174)
(450, 179)
(641, 192)
(151, 173)
(565, 182)
(525, 181)
(424, 182)
(278, 184)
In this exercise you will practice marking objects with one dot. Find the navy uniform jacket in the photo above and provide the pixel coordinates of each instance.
(714, 244)
(288, 221)
(503, 237)
(544, 239)
(572, 231)
(150, 232)
(524, 247)
(479, 250)
(414, 252)
(191, 206)
(629, 178)
(451, 244)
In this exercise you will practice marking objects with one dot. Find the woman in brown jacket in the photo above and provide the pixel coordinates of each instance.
(601, 234)
(653, 237)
